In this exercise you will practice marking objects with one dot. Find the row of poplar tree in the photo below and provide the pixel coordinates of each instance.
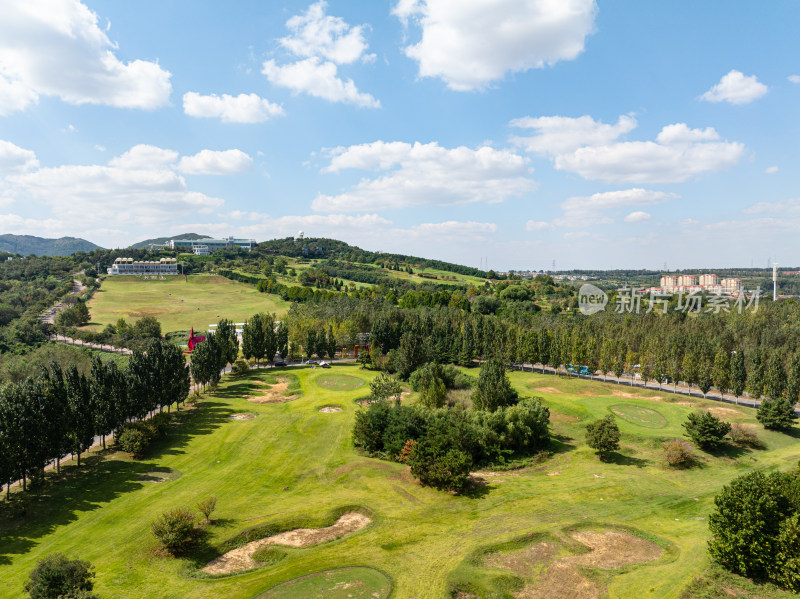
(61, 412)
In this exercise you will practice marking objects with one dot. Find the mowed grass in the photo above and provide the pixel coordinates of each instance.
(339, 382)
(178, 303)
(340, 583)
(292, 462)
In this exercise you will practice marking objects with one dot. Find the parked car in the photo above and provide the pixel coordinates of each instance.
(324, 365)
(279, 363)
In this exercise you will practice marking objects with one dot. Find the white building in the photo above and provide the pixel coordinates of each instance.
(127, 266)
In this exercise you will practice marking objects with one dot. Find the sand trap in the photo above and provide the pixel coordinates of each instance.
(330, 410)
(242, 416)
(626, 395)
(548, 390)
(241, 558)
(561, 577)
(273, 393)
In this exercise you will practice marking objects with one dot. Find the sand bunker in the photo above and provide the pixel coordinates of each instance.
(241, 558)
(626, 395)
(562, 577)
(330, 409)
(724, 412)
(242, 416)
(273, 393)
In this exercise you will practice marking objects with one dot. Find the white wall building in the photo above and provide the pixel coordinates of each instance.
(127, 266)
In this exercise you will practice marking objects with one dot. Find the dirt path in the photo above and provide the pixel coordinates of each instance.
(241, 558)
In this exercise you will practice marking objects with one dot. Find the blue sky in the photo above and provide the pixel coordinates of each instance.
(518, 132)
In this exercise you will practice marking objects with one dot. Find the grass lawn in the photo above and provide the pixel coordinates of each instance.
(292, 463)
(177, 303)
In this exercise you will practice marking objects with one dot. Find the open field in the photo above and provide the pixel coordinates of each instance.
(177, 303)
(627, 527)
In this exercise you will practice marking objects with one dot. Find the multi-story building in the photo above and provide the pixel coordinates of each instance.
(687, 281)
(127, 266)
(706, 280)
(669, 283)
(731, 285)
(211, 244)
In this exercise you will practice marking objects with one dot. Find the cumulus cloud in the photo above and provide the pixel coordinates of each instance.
(144, 157)
(14, 159)
(533, 225)
(590, 149)
(469, 229)
(736, 88)
(425, 174)
(244, 108)
(794, 78)
(771, 170)
(790, 206)
(321, 42)
(637, 217)
(600, 208)
(319, 79)
(471, 43)
(210, 162)
(55, 48)
(315, 33)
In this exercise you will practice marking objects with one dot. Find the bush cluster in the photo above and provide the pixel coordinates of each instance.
(442, 445)
(678, 453)
(756, 527)
(137, 437)
(56, 577)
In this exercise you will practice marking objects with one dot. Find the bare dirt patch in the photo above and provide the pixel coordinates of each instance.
(548, 390)
(627, 395)
(723, 412)
(241, 558)
(613, 549)
(242, 416)
(158, 474)
(273, 393)
(555, 576)
(558, 417)
(330, 409)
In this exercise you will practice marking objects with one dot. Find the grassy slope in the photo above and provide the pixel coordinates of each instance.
(292, 461)
(131, 298)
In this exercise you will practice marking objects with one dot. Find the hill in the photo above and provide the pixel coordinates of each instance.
(143, 245)
(42, 246)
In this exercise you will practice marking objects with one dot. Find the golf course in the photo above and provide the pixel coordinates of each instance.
(179, 303)
(301, 514)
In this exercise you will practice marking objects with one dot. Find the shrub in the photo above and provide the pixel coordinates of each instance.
(369, 427)
(744, 436)
(439, 466)
(776, 414)
(705, 429)
(384, 387)
(603, 435)
(56, 577)
(207, 507)
(240, 368)
(678, 453)
(175, 530)
(134, 440)
(405, 453)
(158, 425)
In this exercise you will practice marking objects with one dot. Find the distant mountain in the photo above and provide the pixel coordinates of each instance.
(29, 244)
(143, 245)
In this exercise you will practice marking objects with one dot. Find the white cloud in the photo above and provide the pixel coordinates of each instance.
(771, 170)
(210, 162)
(637, 217)
(14, 159)
(57, 49)
(558, 134)
(244, 108)
(790, 206)
(323, 42)
(599, 208)
(469, 229)
(144, 157)
(794, 78)
(425, 174)
(576, 235)
(736, 88)
(318, 79)
(533, 225)
(588, 148)
(317, 34)
(471, 43)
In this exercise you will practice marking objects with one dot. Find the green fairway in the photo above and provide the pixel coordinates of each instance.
(339, 382)
(177, 303)
(341, 583)
(642, 416)
(291, 465)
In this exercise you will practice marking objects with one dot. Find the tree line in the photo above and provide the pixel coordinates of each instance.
(60, 412)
